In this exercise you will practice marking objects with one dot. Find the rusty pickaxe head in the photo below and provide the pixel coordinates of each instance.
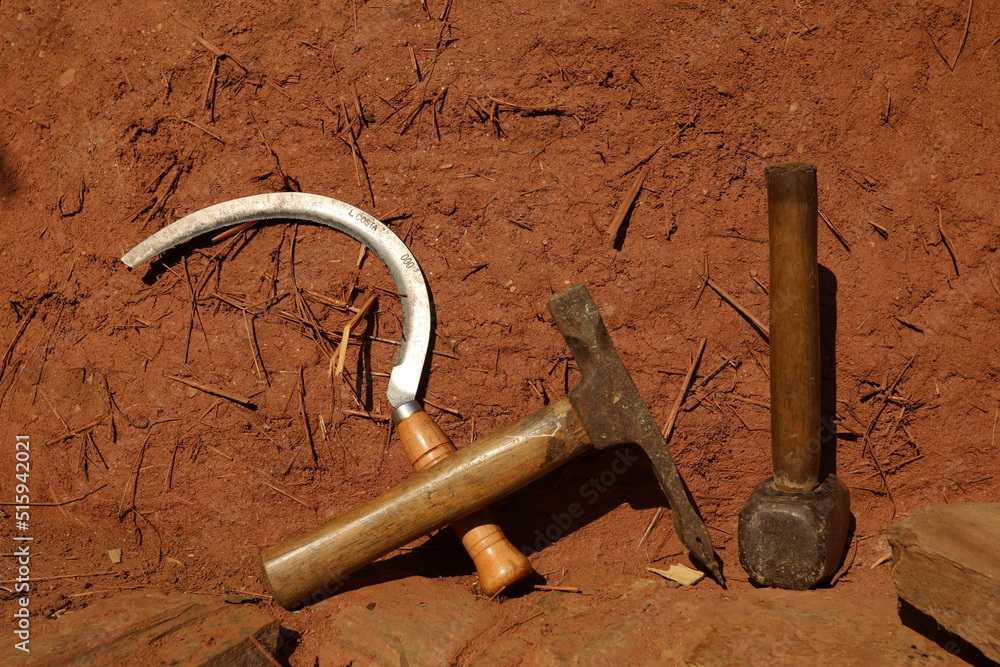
(613, 413)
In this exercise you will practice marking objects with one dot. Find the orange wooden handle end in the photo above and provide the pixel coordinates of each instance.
(499, 563)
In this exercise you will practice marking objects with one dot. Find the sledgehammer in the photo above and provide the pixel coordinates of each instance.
(603, 410)
(793, 528)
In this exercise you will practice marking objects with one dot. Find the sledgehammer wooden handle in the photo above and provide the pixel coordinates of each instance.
(316, 565)
(498, 562)
(792, 205)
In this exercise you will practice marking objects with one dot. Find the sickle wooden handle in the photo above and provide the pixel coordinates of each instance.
(498, 562)
(317, 564)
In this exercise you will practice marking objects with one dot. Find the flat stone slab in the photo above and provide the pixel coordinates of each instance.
(945, 564)
(412, 621)
(767, 627)
(148, 627)
(418, 621)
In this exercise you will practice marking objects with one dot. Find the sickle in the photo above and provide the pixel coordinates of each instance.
(405, 377)
(498, 562)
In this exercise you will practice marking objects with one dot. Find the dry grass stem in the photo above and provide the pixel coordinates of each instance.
(367, 415)
(305, 416)
(652, 524)
(288, 495)
(756, 323)
(74, 432)
(215, 391)
(751, 401)
(233, 231)
(866, 445)
(258, 361)
(848, 562)
(345, 336)
(668, 430)
(133, 479)
(196, 125)
(947, 242)
(626, 206)
(20, 332)
(879, 229)
(836, 232)
(965, 36)
(442, 408)
(643, 161)
(219, 53)
(61, 502)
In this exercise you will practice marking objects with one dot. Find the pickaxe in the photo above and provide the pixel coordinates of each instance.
(603, 410)
(498, 562)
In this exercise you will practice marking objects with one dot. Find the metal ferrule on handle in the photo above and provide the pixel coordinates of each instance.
(407, 409)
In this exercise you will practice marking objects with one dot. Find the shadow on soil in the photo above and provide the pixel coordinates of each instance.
(536, 517)
(920, 622)
(8, 182)
(828, 369)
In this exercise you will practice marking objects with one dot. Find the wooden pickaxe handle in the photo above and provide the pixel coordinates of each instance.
(499, 563)
(317, 564)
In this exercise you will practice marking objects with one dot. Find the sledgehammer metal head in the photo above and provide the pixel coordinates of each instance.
(613, 412)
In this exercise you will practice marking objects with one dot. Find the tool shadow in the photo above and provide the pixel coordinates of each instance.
(8, 181)
(582, 492)
(540, 516)
(927, 626)
(828, 370)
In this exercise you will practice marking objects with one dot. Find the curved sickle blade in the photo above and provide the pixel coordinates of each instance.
(405, 272)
